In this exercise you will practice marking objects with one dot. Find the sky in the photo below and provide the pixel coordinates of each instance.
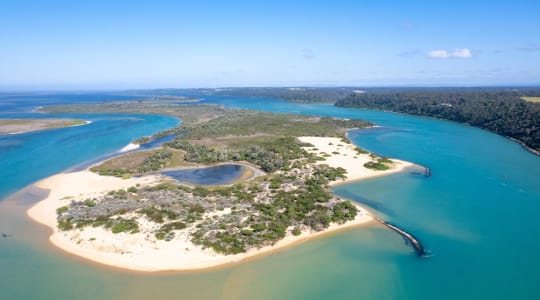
(75, 45)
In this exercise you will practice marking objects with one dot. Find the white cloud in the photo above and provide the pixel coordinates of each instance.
(462, 53)
(439, 54)
(457, 53)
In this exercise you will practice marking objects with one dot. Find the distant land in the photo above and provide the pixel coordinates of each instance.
(14, 126)
(513, 112)
(508, 112)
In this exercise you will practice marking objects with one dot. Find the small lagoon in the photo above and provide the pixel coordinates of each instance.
(214, 175)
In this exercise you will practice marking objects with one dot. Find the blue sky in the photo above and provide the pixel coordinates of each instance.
(151, 44)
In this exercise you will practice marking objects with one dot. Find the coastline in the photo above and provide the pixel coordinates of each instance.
(136, 252)
(44, 129)
(129, 147)
(142, 253)
(523, 144)
(349, 159)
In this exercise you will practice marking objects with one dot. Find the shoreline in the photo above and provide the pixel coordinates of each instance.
(155, 256)
(44, 129)
(140, 253)
(525, 146)
(250, 171)
(349, 159)
(129, 147)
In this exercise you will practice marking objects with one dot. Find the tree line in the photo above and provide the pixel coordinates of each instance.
(499, 110)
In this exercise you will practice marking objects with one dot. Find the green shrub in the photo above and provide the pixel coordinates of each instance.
(375, 165)
(65, 224)
(62, 209)
(123, 225)
(89, 203)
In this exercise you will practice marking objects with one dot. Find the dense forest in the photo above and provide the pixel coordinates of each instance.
(500, 110)
(290, 94)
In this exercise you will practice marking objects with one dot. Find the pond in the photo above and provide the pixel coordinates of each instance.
(214, 175)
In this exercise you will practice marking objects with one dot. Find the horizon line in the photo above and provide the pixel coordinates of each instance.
(114, 89)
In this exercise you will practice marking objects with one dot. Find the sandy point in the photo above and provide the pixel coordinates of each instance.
(337, 153)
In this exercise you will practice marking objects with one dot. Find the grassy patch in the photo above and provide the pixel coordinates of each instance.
(123, 225)
(141, 162)
(380, 164)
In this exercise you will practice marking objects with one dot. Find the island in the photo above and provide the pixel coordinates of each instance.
(126, 212)
(15, 126)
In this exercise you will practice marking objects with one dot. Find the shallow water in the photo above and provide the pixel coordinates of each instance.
(476, 214)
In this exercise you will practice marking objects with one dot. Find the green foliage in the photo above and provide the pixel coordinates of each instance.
(121, 194)
(376, 165)
(158, 215)
(344, 211)
(166, 186)
(123, 225)
(89, 203)
(270, 154)
(151, 163)
(296, 94)
(200, 191)
(142, 140)
(62, 209)
(360, 150)
(496, 109)
(384, 160)
(65, 224)
(345, 140)
(275, 182)
(196, 208)
(155, 161)
(103, 221)
(165, 231)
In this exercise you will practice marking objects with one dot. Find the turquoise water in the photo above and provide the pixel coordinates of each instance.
(476, 214)
(27, 157)
(214, 175)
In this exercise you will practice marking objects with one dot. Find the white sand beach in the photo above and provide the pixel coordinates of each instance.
(343, 155)
(129, 147)
(138, 252)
